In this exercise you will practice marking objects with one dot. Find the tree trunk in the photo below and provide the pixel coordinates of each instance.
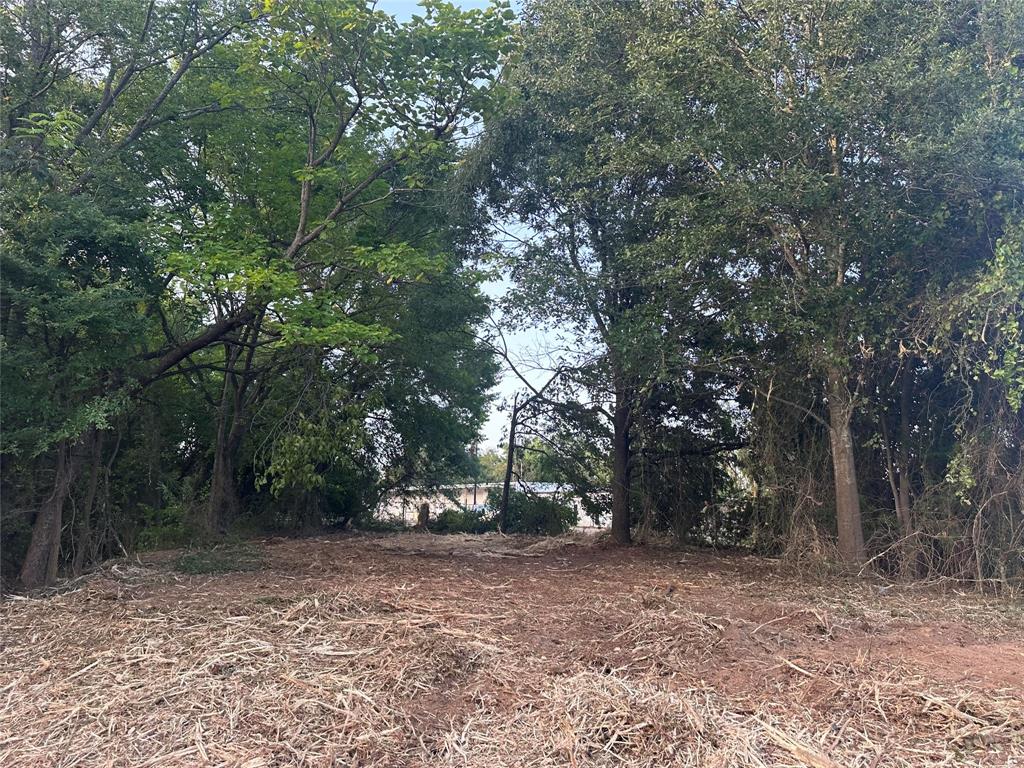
(620, 468)
(898, 467)
(848, 518)
(222, 505)
(83, 529)
(207, 338)
(40, 565)
(903, 497)
(506, 487)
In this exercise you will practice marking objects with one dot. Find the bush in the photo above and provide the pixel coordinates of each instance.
(371, 524)
(164, 528)
(464, 521)
(544, 515)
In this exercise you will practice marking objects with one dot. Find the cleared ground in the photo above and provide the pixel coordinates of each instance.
(420, 650)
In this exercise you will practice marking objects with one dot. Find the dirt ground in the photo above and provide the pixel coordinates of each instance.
(422, 650)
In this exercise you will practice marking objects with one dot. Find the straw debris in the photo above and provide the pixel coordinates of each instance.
(414, 651)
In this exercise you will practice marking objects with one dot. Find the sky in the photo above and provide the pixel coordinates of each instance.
(403, 9)
(524, 347)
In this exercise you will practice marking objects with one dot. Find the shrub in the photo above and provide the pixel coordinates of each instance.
(464, 521)
(545, 515)
(163, 528)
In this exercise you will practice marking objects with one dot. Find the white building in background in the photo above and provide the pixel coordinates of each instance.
(403, 506)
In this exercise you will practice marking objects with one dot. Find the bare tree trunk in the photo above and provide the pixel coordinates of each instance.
(848, 517)
(620, 468)
(898, 466)
(83, 532)
(903, 466)
(646, 525)
(506, 488)
(222, 505)
(903, 503)
(895, 475)
(40, 565)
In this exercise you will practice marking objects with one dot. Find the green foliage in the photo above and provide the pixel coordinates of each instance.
(490, 467)
(239, 284)
(211, 256)
(763, 224)
(543, 515)
(988, 320)
(581, 158)
(464, 521)
(163, 527)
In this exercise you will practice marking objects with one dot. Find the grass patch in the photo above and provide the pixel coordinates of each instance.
(222, 559)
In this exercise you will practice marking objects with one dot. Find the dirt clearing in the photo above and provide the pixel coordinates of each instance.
(420, 650)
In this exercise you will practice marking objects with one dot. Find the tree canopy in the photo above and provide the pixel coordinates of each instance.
(757, 218)
(244, 247)
(238, 210)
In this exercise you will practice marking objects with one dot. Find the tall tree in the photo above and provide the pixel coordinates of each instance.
(819, 126)
(158, 213)
(556, 173)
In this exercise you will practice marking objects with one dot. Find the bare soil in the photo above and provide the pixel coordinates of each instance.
(422, 650)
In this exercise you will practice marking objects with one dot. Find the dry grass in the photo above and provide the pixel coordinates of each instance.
(420, 650)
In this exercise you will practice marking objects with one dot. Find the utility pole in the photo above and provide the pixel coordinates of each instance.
(473, 451)
(510, 457)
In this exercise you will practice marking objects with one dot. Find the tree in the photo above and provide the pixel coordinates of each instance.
(158, 213)
(577, 183)
(552, 172)
(79, 259)
(821, 127)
